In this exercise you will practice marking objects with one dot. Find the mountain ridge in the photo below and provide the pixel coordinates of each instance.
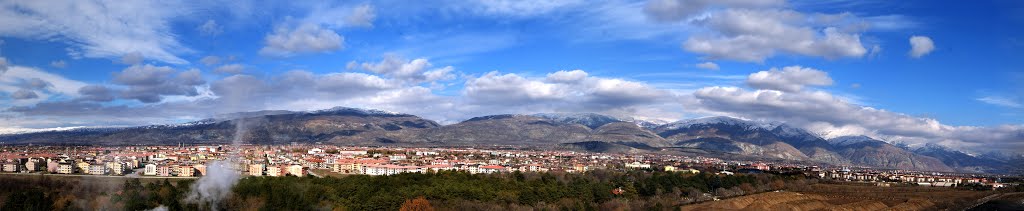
(352, 126)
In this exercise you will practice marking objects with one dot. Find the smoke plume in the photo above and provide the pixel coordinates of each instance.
(221, 175)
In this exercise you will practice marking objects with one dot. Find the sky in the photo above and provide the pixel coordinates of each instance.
(944, 72)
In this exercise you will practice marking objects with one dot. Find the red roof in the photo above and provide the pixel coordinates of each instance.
(493, 167)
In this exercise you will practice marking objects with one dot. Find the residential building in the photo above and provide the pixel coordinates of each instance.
(65, 168)
(296, 170)
(274, 171)
(150, 170)
(185, 171)
(97, 169)
(256, 169)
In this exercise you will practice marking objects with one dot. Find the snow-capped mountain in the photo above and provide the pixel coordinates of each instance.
(844, 141)
(591, 120)
(961, 160)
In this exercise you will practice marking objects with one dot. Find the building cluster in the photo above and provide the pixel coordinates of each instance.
(302, 160)
(885, 177)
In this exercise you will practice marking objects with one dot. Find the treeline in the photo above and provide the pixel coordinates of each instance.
(464, 191)
(446, 190)
(40, 192)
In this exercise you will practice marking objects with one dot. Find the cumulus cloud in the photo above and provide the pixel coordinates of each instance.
(230, 69)
(305, 38)
(920, 46)
(24, 94)
(148, 83)
(831, 115)
(708, 65)
(754, 35)
(562, 90)
(210, 28)
(142, 26)
(97, 93)
(563, 76)
(788, 79)
(779, 96)
(416, 70)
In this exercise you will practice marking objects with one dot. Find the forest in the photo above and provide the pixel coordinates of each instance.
(446, 190)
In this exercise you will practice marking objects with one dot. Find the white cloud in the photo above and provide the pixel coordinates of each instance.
(149, 84)
(754, 35)
(831, 115)
(563, 76)
(230, 69)
(210, 28)
(781, 98)
(362, 15)
(788, 79)
(920, 46)
(141, 26)
(562, 90)
(519, 8)
(511, 89)
(1000, 101)
(289, 40)
(337, 17)
(416, 70)
(708, 65)
(18, 77)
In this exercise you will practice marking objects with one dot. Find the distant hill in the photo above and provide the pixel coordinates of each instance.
(582, 131)
(339, 125)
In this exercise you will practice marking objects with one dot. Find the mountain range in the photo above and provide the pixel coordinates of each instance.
(585, 131)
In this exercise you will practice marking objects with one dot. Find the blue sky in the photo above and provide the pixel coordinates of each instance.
(917, 71)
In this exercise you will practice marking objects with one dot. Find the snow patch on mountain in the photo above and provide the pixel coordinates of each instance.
(851, 140)
(591, 120)
(724, 120)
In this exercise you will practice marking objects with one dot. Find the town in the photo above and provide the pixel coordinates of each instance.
(322, 160)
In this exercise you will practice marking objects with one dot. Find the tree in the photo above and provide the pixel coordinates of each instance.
(418, 204)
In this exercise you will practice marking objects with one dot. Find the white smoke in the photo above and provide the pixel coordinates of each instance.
(215, 185)
(221, 175)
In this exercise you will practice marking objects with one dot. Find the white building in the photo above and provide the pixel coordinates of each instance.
(10, 167)
(150, 170)
(296, 170)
